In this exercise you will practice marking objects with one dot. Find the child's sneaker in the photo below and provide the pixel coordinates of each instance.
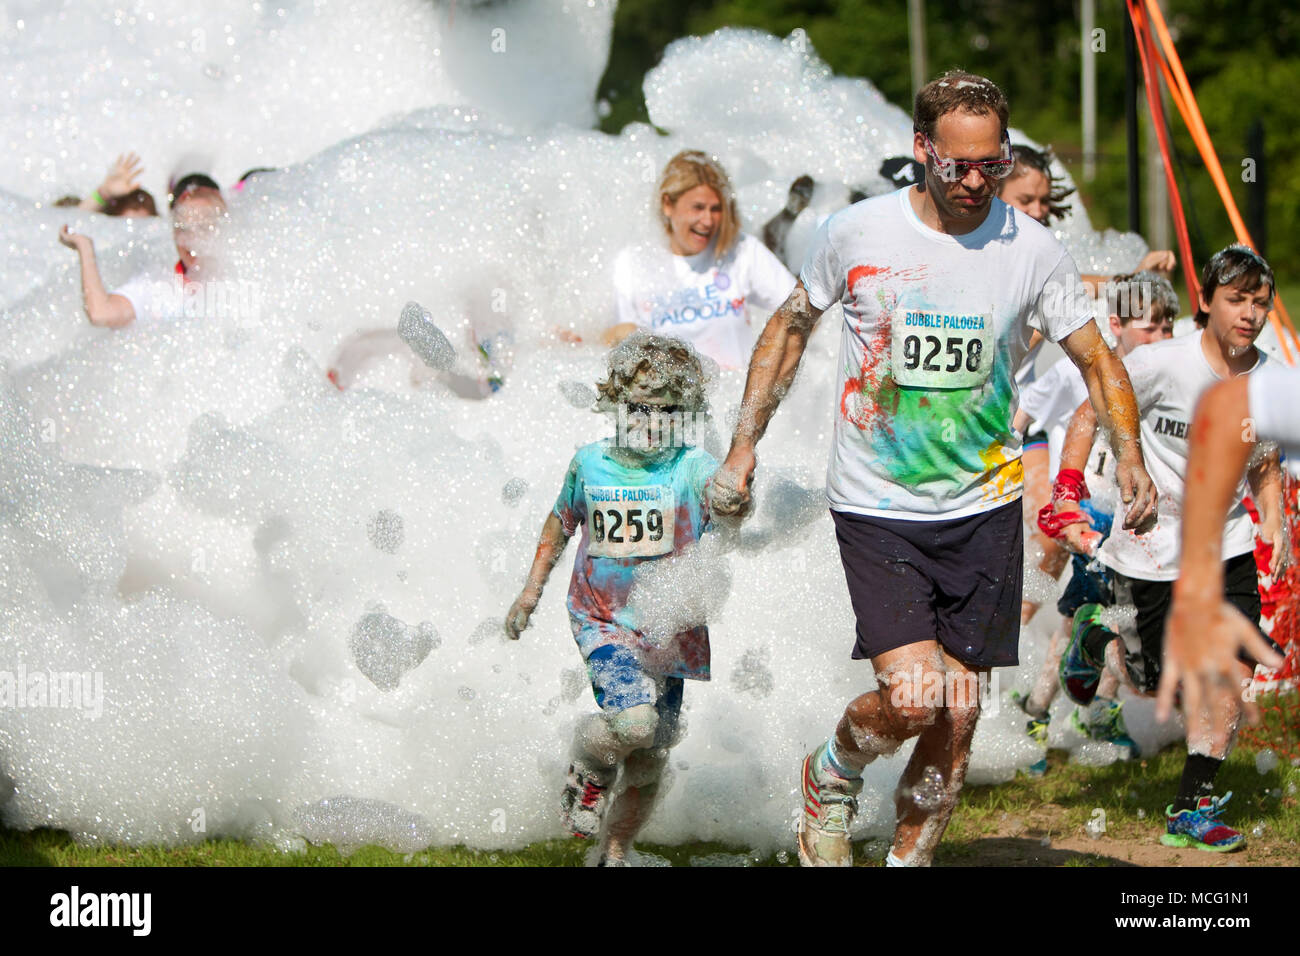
(585, 797)
(1079, 673)
(1106, 722)
(828, 809)
(1036, 729)
(1201, 828)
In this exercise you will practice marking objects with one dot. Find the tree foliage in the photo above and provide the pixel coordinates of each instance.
(1242, 59)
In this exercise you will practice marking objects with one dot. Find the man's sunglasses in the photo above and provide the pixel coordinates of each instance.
(955, 170)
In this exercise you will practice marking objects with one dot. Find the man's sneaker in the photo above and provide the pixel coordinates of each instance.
(828, 809)
(585, 797)
(1036, 729)
(1079, 673)
(1201, 828)
(1106, 722)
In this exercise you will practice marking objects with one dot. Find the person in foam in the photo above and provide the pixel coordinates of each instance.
(1237, 288)
(119, 194)
(941, 285)
(1143, 307)
(638, 498)
(697, 284)
(197, 209)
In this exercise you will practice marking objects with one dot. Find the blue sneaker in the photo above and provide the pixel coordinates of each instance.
(1201, 828)
(1079, 673)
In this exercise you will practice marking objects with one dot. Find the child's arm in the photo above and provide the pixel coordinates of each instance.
(549, 548)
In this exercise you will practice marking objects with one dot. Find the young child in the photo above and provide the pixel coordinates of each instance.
(639, 497)
(1237, 289)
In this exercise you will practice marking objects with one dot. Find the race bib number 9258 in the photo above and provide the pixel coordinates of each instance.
(630, 522)
(941, 349)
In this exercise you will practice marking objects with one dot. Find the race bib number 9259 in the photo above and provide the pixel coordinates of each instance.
(630, 522)
(941, 349)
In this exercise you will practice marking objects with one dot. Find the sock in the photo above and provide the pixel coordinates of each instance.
(1095, 639)
(1197, 782)
(828, 760)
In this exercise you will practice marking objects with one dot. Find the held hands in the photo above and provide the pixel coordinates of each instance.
(729, 492)
(123, 177)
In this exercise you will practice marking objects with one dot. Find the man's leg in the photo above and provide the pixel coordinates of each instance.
(927, 792)
(873, 725)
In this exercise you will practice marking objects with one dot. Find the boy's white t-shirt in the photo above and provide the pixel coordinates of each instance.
(935, 328)
(1168, 378)
(1274, 395)
(701, 298)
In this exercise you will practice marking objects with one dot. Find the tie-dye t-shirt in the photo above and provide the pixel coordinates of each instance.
(934, 329)
(630, 515)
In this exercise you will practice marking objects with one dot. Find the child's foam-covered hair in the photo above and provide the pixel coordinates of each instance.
(662, 363)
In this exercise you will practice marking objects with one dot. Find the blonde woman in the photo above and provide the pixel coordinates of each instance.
(696, 285)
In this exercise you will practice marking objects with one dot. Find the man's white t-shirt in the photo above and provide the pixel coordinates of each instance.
(1168, 378)
(701, 298)
(935, 328)
(1274, 395)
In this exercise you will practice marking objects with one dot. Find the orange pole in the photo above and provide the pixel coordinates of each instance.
(1196, 126)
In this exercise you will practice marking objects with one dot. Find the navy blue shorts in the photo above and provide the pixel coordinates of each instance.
(957, 581)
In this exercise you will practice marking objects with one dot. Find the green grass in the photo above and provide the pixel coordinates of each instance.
(989, 821)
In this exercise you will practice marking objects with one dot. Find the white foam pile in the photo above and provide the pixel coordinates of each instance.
(290, 595)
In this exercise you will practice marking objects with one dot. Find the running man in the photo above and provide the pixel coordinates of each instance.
(942, 286)
(1236, 294)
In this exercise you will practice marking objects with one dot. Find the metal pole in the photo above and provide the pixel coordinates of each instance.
(1131, 126)
(916, 33)
(1088, 75)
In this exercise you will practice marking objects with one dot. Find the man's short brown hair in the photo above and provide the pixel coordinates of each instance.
(958, 90)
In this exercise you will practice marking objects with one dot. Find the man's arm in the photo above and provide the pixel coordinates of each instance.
(1204, 632)
(771, 372)
(1111, 395)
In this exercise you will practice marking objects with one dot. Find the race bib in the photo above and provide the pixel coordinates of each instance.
(941, 349)
(630, 522)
